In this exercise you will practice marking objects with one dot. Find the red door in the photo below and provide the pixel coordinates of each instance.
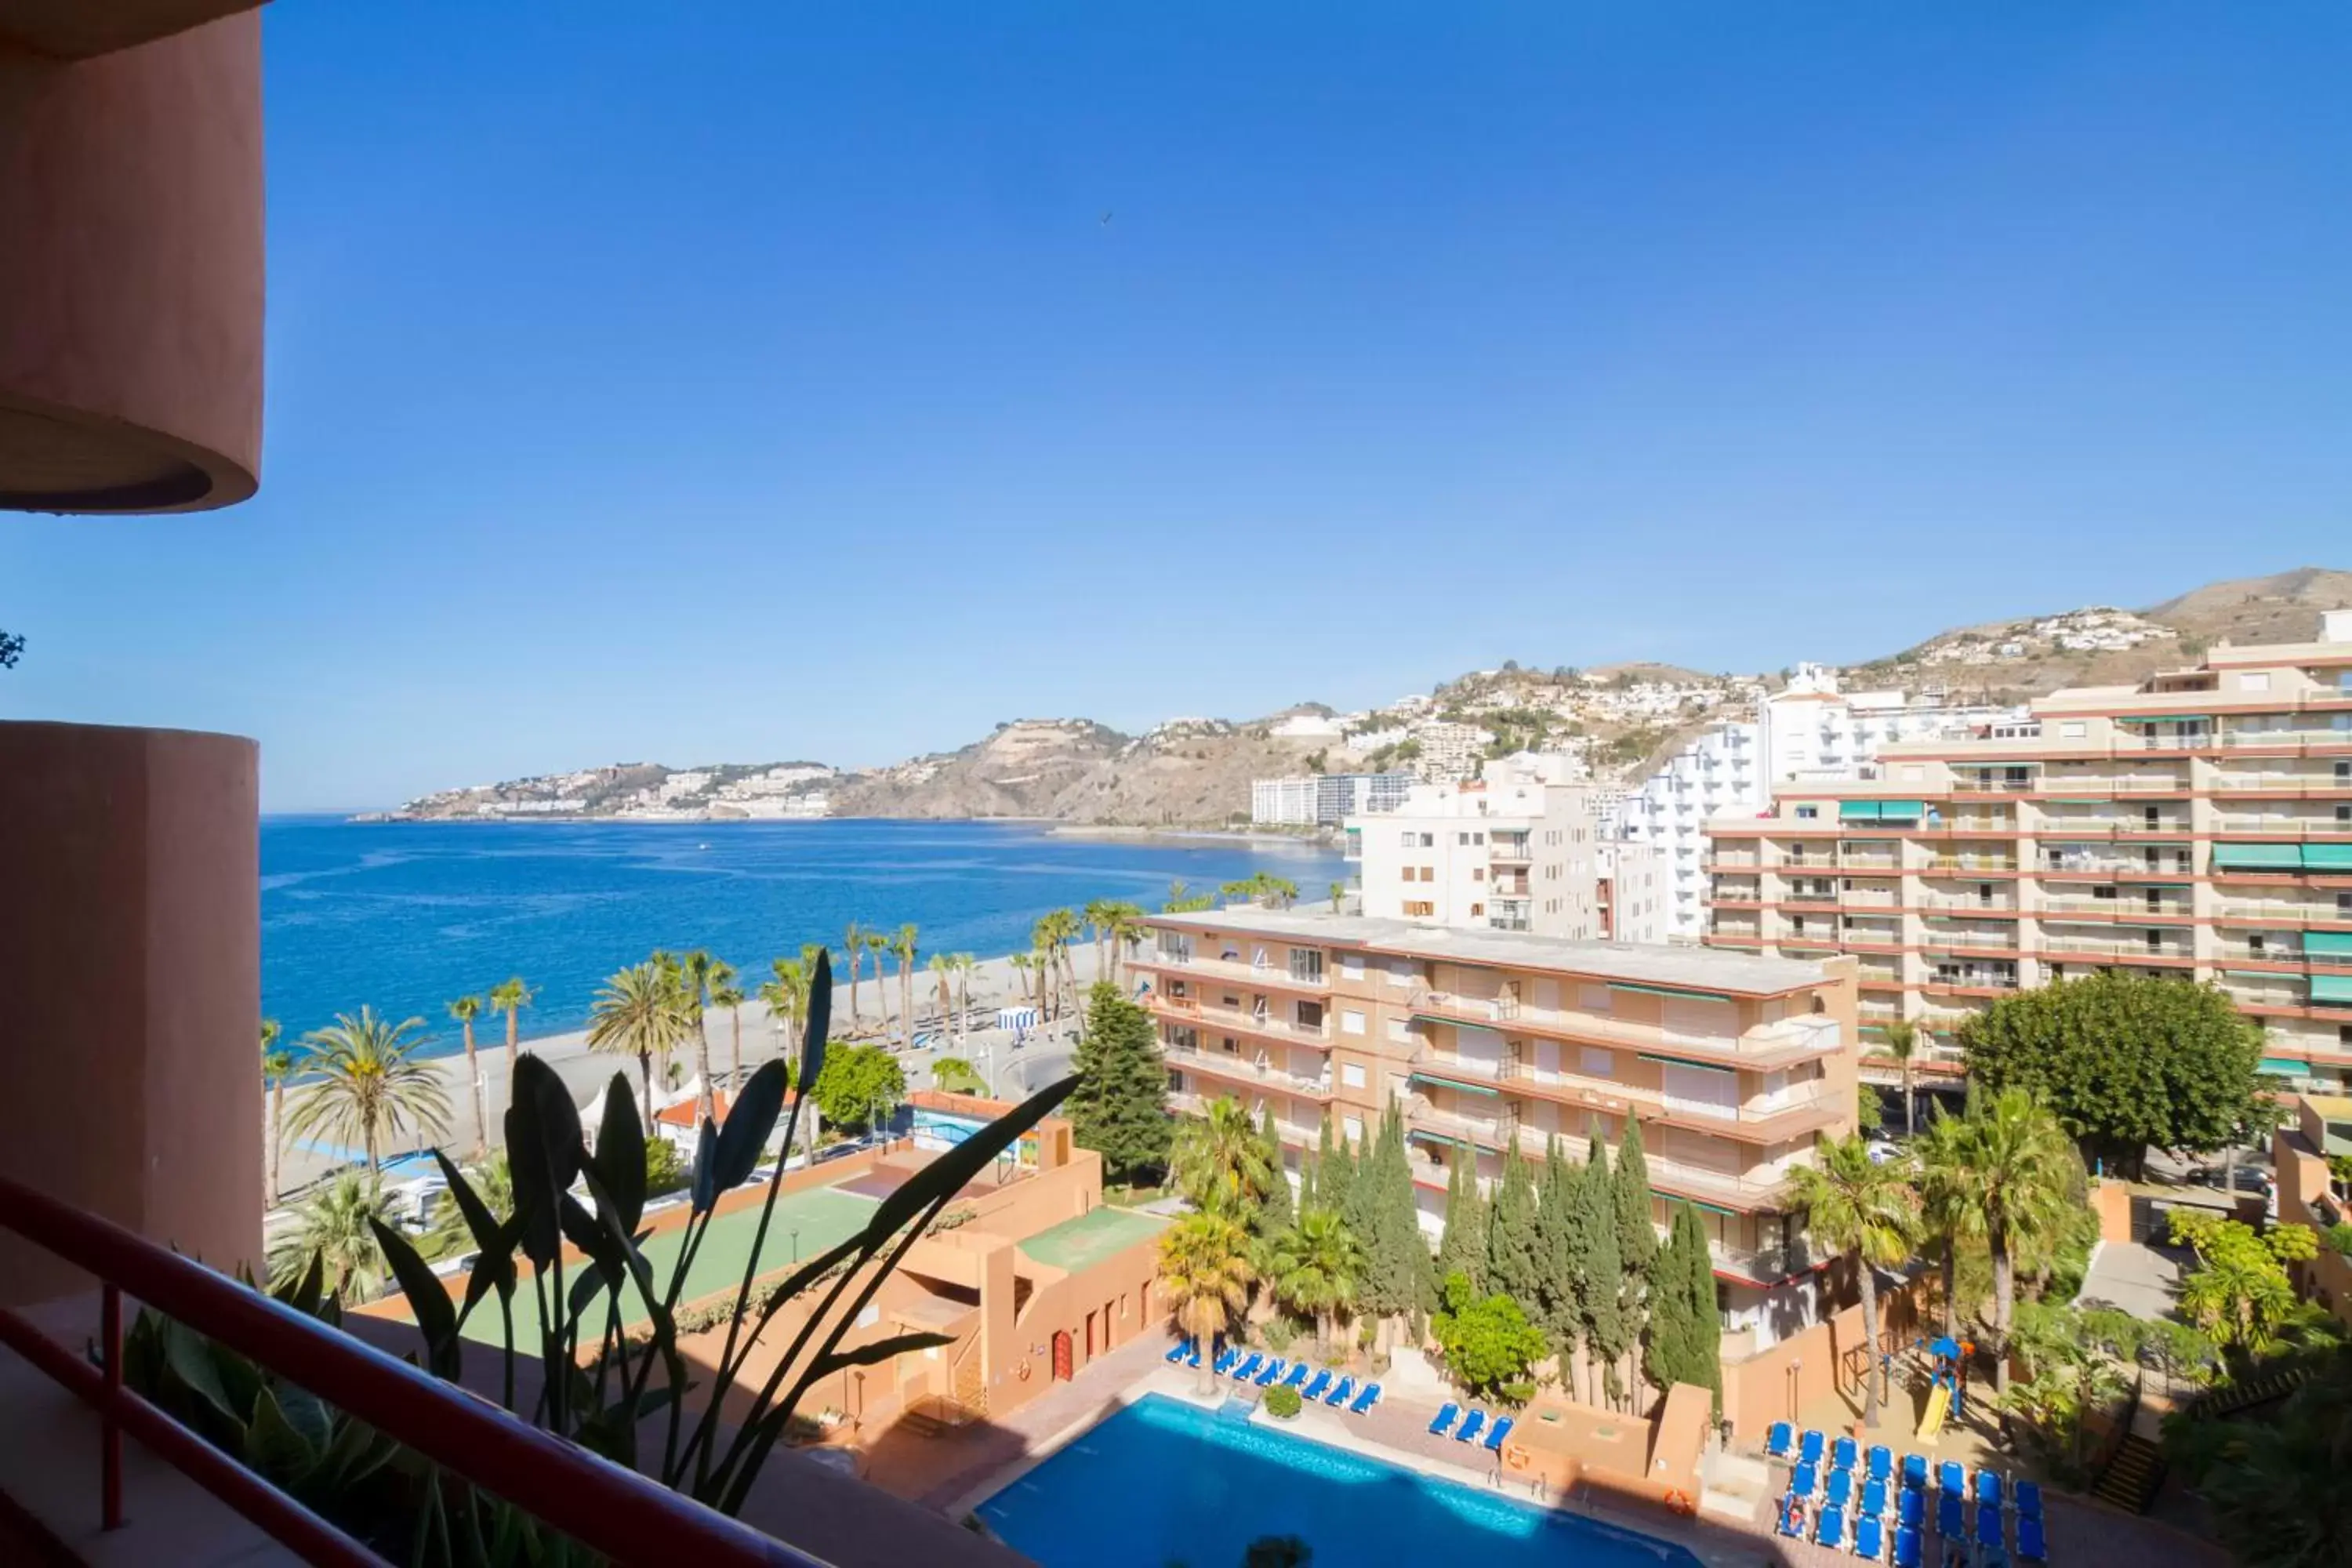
(1061, 1355)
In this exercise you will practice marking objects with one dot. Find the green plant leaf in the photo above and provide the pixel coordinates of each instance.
(274, 1449)
(748, 1124)
(494, 1242)
(824, 1366)
(543, 1153)
(704, 1189)
(189, 1355)
(302, 1294)
(436, 1318)
(621, 1151)
(819, 1027)
(307, 1414)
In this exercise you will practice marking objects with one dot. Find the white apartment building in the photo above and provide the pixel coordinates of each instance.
(1284, 803)
(1808, 731)
(1451, 751)
(1517, 848)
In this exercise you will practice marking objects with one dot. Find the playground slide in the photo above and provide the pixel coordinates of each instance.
(1939, 1403)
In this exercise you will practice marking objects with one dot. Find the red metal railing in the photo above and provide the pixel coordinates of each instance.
(606, 1507)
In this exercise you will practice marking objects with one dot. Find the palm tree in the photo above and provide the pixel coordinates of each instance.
(1315, 1266)
(698, 972)
(1854, 1206)
(1053, 934)
(2021, 1165)
(1951, 1210)
(277, 1067)
(466, 1009)
(1339, 896)
(966, 966)
(1100, 915)
(1125, 930)
(1220, 1163)
(942, 966)
(1021, 963)
(369, 1083)
(954, 1075)
(784, 997)
(877, 943)
(1903, 1045)
(333, 1226)
(902, 947)
(640, 1012)
(730, 995)
(1206, 1278)
(510, 996)
(853, 941)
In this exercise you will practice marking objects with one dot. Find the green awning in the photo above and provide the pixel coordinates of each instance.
(1857, 810)
(2333, 990)
(2164, 717)
(2328, 942)
(1669, 991)
(1680, 1062)
(2284, 1067)
(1711, 1208)
(2327, 857)
(2259, 857)
(1899, 808)
(1453, 1083)
(1428, 1137)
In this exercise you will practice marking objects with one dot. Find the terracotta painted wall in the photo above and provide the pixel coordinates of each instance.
(130, 951)
(1758, 1392)
(2111, 1201)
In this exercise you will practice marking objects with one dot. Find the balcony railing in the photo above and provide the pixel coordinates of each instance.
(2283, 783)
(2282, 909)
(2004, 940)
(2109, 947)
(1247, 1069)
(1961, 904)
(1508, 850)
(1271, 975)
(1764, 1046)
(2239, 952)
(2284, 826)
(2118, 908)
(610, 1510)
(1973, 863)
(1671, 1176)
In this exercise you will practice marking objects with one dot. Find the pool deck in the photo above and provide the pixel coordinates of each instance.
(2081, 1533)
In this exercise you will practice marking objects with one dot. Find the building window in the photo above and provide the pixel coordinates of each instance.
(1351, 1021)
(2072, 730)
(1808, 813)
(1428, 840)
(1594, 1062)
(1478, 873)
(1406, 842)
(1351, 1074)
(1307, 963)
(2254, 681)
(1593, 998)
(1478, 911)
(1353, 1127)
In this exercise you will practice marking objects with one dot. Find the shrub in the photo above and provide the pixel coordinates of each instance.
(2339, 1236)
(665, 1171)
(1279, 1334)
(1282, 1402)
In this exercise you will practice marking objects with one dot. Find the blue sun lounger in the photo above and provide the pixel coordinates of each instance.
(1879, 1463)
(1444, 1422)
(1874, 1500)
(2029, 1545)
(1314, 1390)
(1341, 1394)
(1951, 1478)
(1915, 1473)
(1949, 1522)
(1841, 1489)
(1366, 1400)
(1844, 1453)
(1989, 1489)
(1906, 1548)
(1494, 1444)
(1248, 1367)
(1831, 1533)
(1809, 1448)
(1989, 1527)
(1468, 1431)
(1803, 1481)
(1178, 1350)
(1780, 1438)
(1784, 1524)
(1911, 1509)
(1194, 1357)
(1296, 1375)
(2029, 1499)
(1870, 1537)
(1226, 1359)
(1269, 1372)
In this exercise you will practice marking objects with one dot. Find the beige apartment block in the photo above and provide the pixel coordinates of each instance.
(2196, 825)
(1492, 1041)
(1517, 848)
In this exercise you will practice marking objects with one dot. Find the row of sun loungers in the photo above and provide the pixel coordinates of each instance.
(1476, 1426)
(1846, 1522)
(1339, 1391)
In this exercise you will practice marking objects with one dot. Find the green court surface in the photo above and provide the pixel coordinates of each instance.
(1079, 1242)
(820, 1217)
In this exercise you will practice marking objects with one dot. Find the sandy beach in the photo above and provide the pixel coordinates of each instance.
(993, 985)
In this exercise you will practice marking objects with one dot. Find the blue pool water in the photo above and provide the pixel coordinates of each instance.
(1165, 1482)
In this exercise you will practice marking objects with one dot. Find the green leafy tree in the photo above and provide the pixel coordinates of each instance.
(1335, 1171)
(1487, 1341)
(1561, 1259)
(1637, 1238)
(278, 1065)
(465, 1010)
(1205, 1277)
(1601, 1303)
(1511, 1256)
(640, 1012)
(1275, 1213)
(1867, 1211)
(1683, 1340)
(1219, 1164)
(2023, 1175)
(1951, 1211)
(1315, 1269)
(336, 1225)
(859, 1086)
(954, 1075)
(1463, 1248)
(2274, 1488)
(2239, 1293)
(368, 1083)
(1120, 1108)
(2124, 1061)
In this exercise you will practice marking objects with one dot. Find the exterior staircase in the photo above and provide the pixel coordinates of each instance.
(2131, 1477)
(2221, 1402)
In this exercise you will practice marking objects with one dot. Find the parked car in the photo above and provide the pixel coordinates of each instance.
(1885, 1150)
(2250, 1179)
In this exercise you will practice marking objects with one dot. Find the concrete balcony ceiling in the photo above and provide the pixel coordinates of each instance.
(131, 258)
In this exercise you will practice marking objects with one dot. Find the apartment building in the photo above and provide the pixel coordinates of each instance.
(1324, 800)
(1282, 803)
(1497, 1040)
(2199, 824)
(1520, 848)
(1808, 731)
(1451, 751)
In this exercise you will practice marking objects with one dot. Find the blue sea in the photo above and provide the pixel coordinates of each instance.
(406, 916)
(1165, 1482)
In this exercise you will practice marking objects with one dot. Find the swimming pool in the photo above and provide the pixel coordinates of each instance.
(1166, 1482)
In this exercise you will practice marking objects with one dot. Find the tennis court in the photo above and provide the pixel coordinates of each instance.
(804, 1224)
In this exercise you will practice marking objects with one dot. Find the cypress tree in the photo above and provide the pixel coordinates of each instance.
(1335, 1182)
(1120, 1107)
(1463, 1250)
(1667, 1337)
(1306, 1192)
(1416, 1271)
(1706, 1319)
(1559, 1254)
(1637, 1238)
(1604, 1278)
(1511, 1267)
(1274, 1210)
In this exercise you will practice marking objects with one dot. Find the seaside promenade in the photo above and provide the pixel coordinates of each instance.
(1012, 1072)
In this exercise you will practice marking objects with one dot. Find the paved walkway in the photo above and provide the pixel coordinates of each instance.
(2138, 1279)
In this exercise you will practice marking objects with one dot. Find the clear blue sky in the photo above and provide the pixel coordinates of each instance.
(736, 381)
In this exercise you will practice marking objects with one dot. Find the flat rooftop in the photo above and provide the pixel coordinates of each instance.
(1638, 964)
(1076, 1244)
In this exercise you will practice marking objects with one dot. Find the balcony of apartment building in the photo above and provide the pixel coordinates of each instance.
(2318, 781)
(1774, 1116)
(1869, 854)
(1937, 936)
(2321, 909)
(1735, 892)
(1457, 1132)
(1511, 914)
(1994, 782)
(1871, 934)
(2315, 951)
(1719, 858)
(2061, 940)
(1865, 893)
(1968, 861)
(1734, 932)
(1508, 849)
(1259, 1069)
(1302, 969)
(1298, 1022)
(1761, 1047)
(2324, 994)
(2084, 862)
(2306, 739)
(1970, 977)
(2318, 821)
(2061, 780)
(1993, 901)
